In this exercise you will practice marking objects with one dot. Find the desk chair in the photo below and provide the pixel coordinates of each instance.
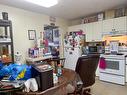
(86, 68)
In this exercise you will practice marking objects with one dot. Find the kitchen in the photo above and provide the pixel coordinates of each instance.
(102, 32)
(112, 37)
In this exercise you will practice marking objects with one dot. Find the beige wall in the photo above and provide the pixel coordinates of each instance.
(22, 21)
(75, 22)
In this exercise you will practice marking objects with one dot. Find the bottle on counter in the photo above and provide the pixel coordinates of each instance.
(59, 70)
(18, 57)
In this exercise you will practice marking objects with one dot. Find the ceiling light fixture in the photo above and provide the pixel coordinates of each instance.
(44, 3)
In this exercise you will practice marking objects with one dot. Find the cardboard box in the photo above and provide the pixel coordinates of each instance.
(109, 14)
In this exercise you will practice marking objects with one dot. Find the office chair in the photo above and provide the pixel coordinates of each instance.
(86, 68)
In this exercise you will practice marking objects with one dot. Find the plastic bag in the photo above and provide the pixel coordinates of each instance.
(16, 71)
(1, 64)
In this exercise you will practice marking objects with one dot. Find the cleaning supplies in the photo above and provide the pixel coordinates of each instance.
(18, 57)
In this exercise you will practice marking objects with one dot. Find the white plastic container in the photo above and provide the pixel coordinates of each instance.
(18, 57)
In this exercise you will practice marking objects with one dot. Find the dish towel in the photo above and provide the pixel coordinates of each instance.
(31, 85)
(102, 63)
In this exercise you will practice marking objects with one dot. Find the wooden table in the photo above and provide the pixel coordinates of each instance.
(68, 76)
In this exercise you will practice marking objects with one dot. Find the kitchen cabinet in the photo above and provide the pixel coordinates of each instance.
(75, 28)
(89, 31)
(97, 31)
(97, 71)
(107, 25)
(93, 31)
(120, 24)
(115, 24)
(126, 72)
(126, 69)
(6, 42)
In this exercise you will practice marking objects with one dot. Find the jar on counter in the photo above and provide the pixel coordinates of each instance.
(59, 70)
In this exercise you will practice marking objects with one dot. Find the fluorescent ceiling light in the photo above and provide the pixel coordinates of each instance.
(44, 3)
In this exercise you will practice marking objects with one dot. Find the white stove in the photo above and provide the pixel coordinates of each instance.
(115, 68)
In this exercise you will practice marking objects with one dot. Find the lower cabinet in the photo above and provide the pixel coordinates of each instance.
(97, 71)
(126, 72)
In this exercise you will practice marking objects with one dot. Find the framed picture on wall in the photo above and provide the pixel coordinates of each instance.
(31, 34)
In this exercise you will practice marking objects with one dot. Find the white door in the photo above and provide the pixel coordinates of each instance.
(71, 58)
(97, 71)
(126, 73)
(97, 31)
(120, 24)
(107, 25)
(66, 55)
(75, 56)
(89, 32)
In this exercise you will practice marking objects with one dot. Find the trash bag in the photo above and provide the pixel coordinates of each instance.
(5, 71)
(1, 64)
(27, 73)
(16, 71)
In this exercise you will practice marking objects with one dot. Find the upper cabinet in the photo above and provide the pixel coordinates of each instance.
(97, 31)
(120, 24)
(89, 31)
(115, 24)
(93, 31)
(107, 25)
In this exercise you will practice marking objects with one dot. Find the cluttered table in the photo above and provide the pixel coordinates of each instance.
(68, 77)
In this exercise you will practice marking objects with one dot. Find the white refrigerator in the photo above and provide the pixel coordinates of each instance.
(72, 51)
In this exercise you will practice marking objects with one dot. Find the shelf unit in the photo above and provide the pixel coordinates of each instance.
(6, 25)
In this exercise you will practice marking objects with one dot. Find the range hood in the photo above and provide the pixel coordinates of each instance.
(114, 33)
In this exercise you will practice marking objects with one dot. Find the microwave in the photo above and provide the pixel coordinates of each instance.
(93, 49)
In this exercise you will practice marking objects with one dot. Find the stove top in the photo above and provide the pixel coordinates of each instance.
(116, 56)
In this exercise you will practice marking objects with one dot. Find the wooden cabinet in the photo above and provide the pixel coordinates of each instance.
(115, 24)
(93, 31)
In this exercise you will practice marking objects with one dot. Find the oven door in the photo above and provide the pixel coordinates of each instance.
(114, 66)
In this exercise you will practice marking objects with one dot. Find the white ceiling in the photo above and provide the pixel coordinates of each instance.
(68, 9)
